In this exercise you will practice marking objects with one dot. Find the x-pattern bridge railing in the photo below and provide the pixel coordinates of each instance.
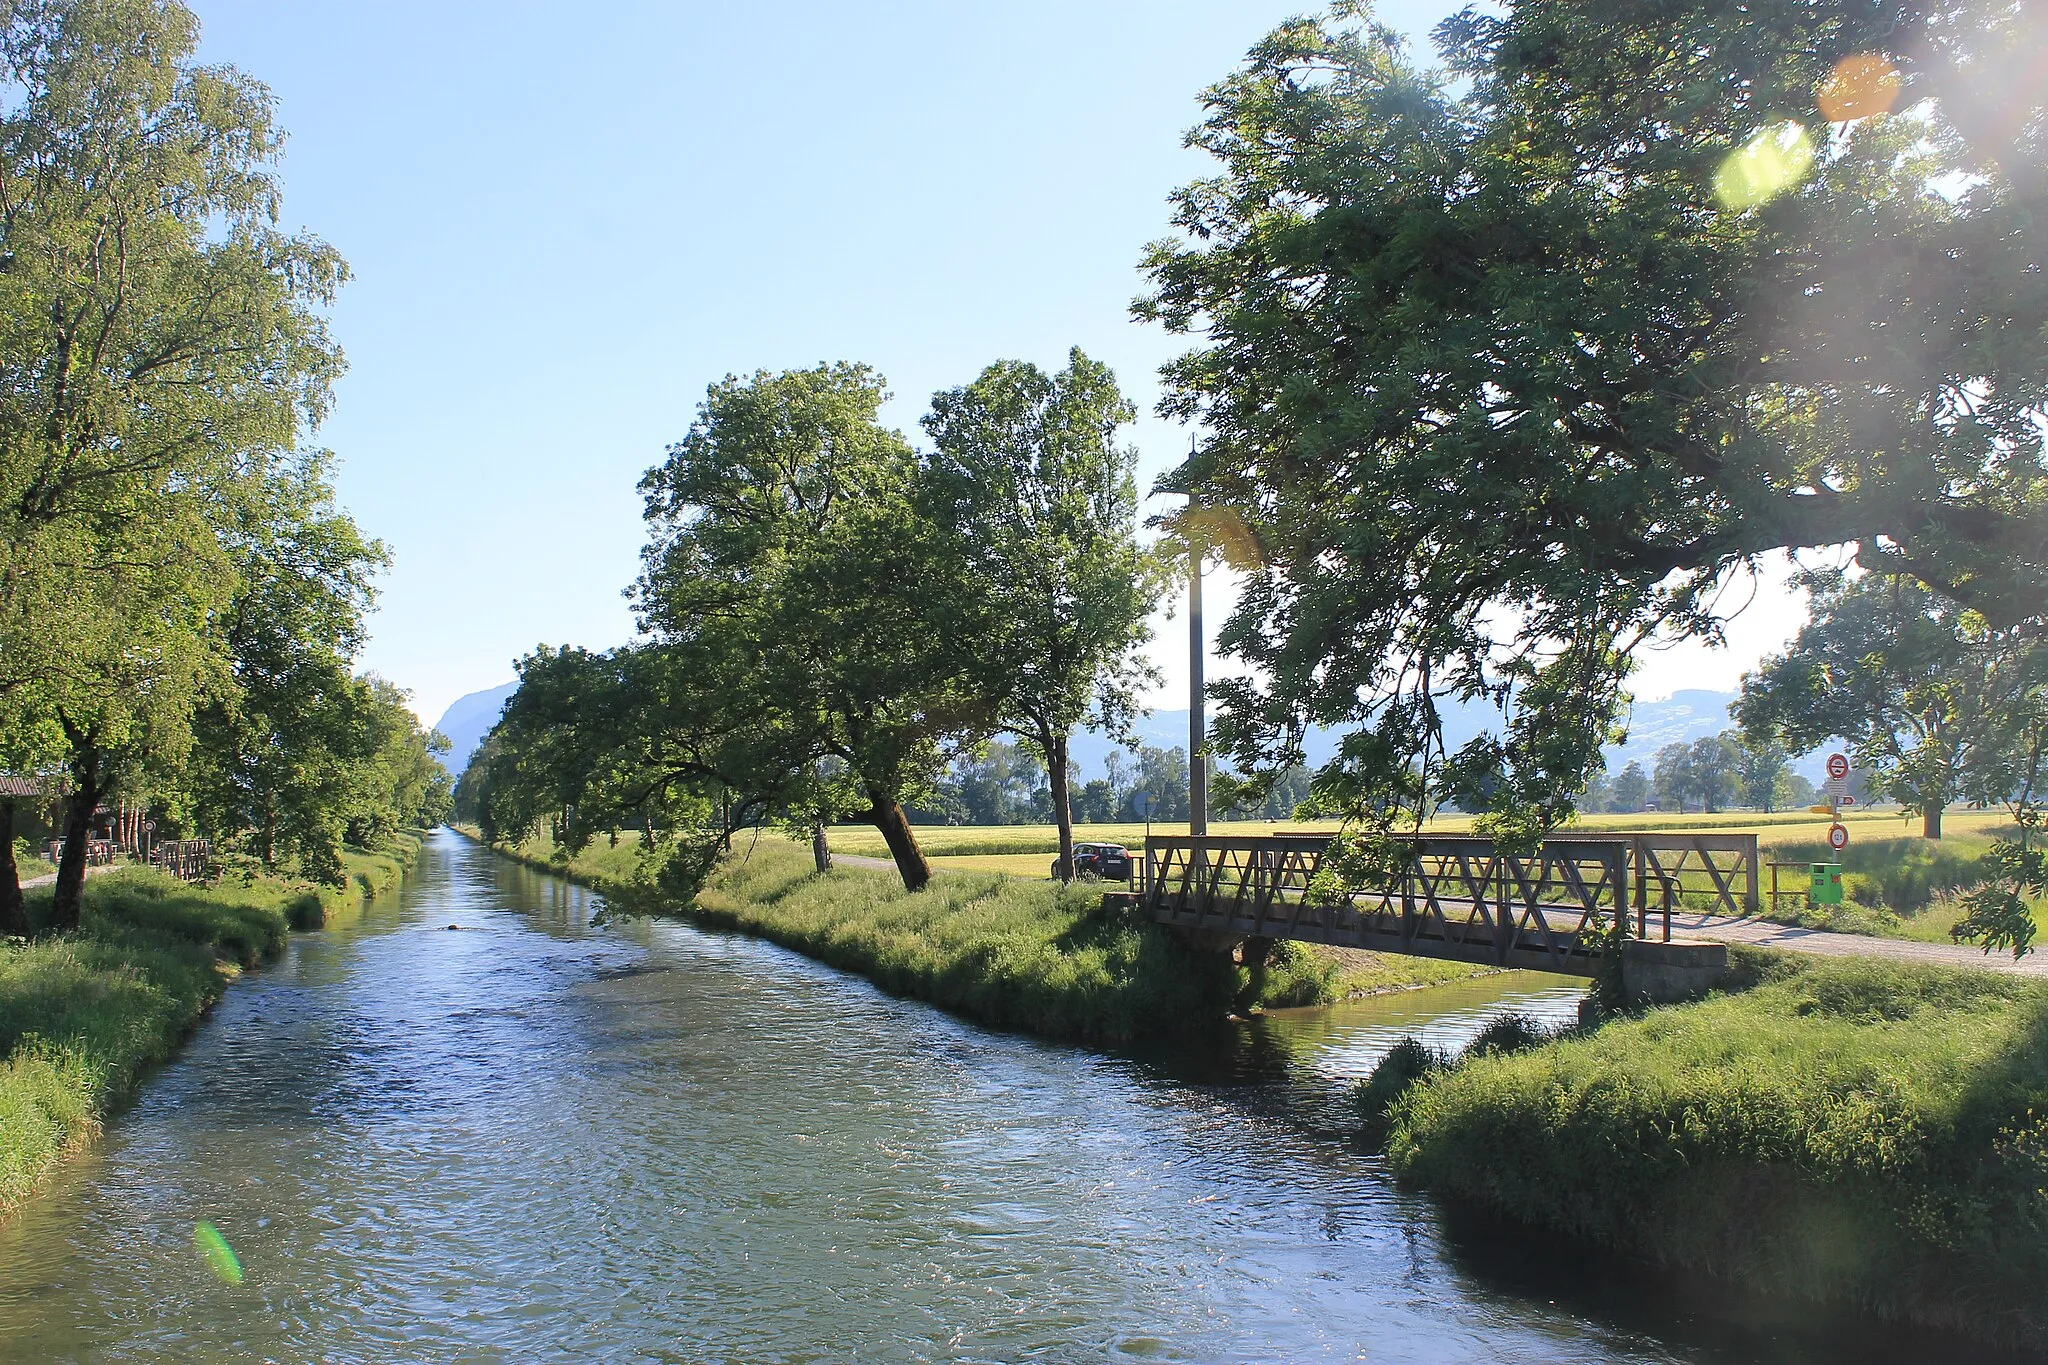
(1451, 897)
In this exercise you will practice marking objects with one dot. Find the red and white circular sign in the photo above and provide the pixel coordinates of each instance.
(1838, 837)
(1838, 766)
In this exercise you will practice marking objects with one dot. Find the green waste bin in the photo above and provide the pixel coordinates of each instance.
(1827, 884)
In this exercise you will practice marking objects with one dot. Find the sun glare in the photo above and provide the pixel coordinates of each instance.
(1858, 87)
(1773, 161)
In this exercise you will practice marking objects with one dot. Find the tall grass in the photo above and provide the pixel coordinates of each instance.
(1850, 1131)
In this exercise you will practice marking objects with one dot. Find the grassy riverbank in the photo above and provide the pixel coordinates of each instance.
(1848, 1131)
(1016, 953)
(82, 1016)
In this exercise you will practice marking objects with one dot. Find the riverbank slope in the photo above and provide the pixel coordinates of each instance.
(1854, 1132)
(1008, 951)
(82, 1016)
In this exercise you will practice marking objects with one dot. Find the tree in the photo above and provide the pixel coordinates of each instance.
(789, 576)
(161, 345)
(2012, 773)
(1163, 776)
(1714, 767)
(1038, 502)
(1504, 370)
(1762, 770)
(1631, 789)
(1675, 782)
(1095, 803)
(400, 782)
(278, 750)
(1921, 688)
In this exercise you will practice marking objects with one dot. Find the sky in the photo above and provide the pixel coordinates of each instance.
(564, 223)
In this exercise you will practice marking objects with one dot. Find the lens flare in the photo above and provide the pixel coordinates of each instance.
(219, 1256)
(1858, 87)
(1770, 163)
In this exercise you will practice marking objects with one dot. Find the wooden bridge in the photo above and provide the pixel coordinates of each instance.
(1458, 898)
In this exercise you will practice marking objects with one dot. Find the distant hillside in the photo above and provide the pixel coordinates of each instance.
(1681, 717)
(468, 720)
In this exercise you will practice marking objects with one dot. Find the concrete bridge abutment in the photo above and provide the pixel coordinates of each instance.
(1668, 972)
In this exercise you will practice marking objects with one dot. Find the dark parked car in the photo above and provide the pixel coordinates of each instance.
(1111, 862)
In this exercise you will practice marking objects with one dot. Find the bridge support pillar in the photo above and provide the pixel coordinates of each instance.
(1666, 973)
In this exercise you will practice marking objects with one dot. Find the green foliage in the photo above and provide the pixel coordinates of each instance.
(1924, 691)
(1998, 914)
(1009, 952)
(1406, 1062)
(1030, 493)
(1854, 1131)
(1498, 386)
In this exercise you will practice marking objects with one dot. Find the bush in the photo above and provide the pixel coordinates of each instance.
(1406, 1062)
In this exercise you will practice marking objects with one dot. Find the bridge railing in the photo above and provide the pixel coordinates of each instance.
(1457, 896)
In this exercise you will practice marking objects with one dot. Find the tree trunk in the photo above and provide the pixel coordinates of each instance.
(895, 827)
(1930, 822)
(84, 799)
(1062, 805)
(13, 914)
(821, 852)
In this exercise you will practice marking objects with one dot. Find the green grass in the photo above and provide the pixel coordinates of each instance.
(82, 1016)
(1849, 1131)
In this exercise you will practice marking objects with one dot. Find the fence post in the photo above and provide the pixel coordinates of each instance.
(1755, 876)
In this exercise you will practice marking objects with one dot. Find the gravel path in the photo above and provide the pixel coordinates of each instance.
(50, 878)
(1820, 942)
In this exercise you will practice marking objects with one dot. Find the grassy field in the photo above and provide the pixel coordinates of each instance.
(1010, 951)
(1848, 1131)
(1787, 830)
(1899, 885)
(84, 1015)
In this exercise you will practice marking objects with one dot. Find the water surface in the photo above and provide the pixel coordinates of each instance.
(529, 1140)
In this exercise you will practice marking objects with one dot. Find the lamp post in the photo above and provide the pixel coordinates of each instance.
(1198, 738)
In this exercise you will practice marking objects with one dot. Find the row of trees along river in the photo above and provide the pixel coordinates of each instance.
(1456, 449)
(181, 601)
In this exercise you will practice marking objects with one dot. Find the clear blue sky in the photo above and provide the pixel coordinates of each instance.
(564, 222)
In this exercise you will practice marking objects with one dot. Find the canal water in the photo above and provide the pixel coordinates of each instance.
(529, 1140)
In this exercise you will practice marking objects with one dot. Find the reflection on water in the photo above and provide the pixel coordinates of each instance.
(527, 1140)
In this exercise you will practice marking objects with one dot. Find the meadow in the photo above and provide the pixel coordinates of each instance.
(1898, 884)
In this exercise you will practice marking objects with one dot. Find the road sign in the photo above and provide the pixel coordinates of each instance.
(1142, 803)
(1838, 767)
(1838, 836)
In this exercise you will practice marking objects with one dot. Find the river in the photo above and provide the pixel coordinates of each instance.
(529, 1140)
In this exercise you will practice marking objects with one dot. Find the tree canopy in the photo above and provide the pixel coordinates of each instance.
(172, 567)
(1035, 502)
(1504, 369)
(1927, 694)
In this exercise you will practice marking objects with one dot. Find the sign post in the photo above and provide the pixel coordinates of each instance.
(1836, 789)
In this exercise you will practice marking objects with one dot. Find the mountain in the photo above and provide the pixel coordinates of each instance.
(468, 719)
(1679, 718)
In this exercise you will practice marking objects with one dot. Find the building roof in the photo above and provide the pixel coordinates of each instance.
(12, 785)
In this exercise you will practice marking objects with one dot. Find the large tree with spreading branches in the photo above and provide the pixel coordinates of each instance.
(1506, 368)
